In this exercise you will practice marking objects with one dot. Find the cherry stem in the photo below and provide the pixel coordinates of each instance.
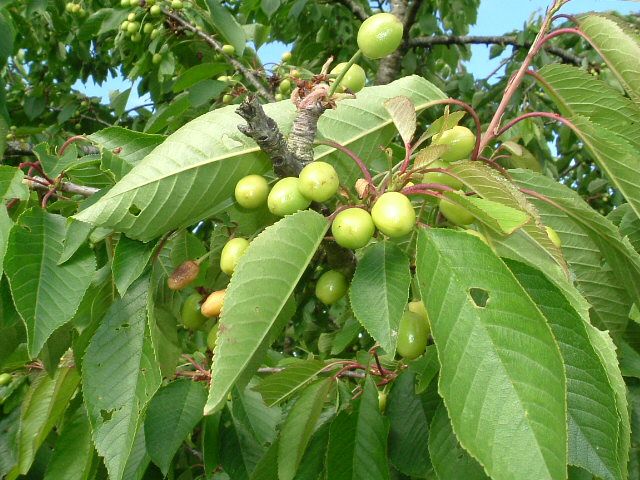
(552, 116)
(344, 71)
(407, 158)
(352, 155)
(38, 167)
(420, 191)
(342, 208)
(203, 257)
(516, 80)
(75, 138)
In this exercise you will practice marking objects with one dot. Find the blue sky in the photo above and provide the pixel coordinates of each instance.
(493, 19)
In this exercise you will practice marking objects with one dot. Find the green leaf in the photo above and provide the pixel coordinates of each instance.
(119, 377)
(196, 74)
(7, 36)
(450, 460)
(46, 294)
(9, 425)
(198, 171)
(128, 145)
(576, 92)
(173, 413)
(44, 404)
(426, 368)
(502, 219)
(256, 418)
(6, 224)
(521, 157)
(75, 237)
(603, 287)
(358, 441)
(240, 452)
(73, 454)
(379, 292)
(618, 45)
(409, 428)
(489, 184)
(403, 114)
(11, 185)
(591, 401)
(225, 23)
(501, 373)
(261, 285)
(298, 427)
(129, 261)
(280, 386)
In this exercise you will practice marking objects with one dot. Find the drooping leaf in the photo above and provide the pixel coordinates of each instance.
(225, 23)
(501, 373)
(11, 185)
(261, 285)
(119, 377)
(173, 413)
(591, 401)
(379, 292)
(129, 261)
(278, 387)
(258, 419)
(409, 428)
(128, 145)
(618, 45)
(298, 427)
(239, 451)
(450, 460)
(46, 294)
(358, 441)
(192, 174)
(403, 114)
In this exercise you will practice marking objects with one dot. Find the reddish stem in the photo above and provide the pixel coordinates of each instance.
(352, 155)
(35, 166)
(420, 191)
(552, 116)
(562, 31)
(75, 138)
(407, 158)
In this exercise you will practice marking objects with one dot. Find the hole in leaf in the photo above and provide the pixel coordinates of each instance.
(106, 415)
(479, 296)
(134, 210)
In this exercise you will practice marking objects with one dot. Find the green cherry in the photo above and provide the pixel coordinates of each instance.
(285, 197)
(231, 253)
(331, 287)
(191, 316)
(380, 35)
(393, 214)
(413, 334)
(353, 228)
(318, 181)
(460, 140)
(354, 79)
(251, 191)
(455, 213)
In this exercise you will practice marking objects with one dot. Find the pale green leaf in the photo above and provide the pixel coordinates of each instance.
(119, 377)
(225, 23)
(403, 114)
(172, 414)
(618, 45)
(249, 410)
(73, 453)
(6, 224)
(379, 292)
(46, 294)
(192, 174)
(501, 373)
(501, 218)
(76, 235)
(298, 427)
(591, 401)
(281, 385)
(358, 441)
(261, 285)
(128, 145)
(11, 185)
(450, 460)
(129, 261)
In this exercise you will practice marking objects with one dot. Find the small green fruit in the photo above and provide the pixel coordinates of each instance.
(212, 306)
(124, 26)
(157, 58)
(69, 7)
(136, 37)
(413, 335)
(125, 3)
(229, 49)
(354, 79)
(393, 214)
(147, 28)
(231, 253)
(382, 401)
(353, 228)
(176, 4)
(155, 10)
(331, 287)
(380, 35)
(455, 213)
(251, 191)
(286, 56)
(279, 97)
(227, 98)
(154, 33)
(441, 178)
(133, 27)
(285, 197)
(191, 316)
(131, 17)
(5, 379)
(460, 140)
(318, 181)
(285, 86)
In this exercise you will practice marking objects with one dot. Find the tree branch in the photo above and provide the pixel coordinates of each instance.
(265, 132)
(40, 183)
(217, 46)
(357, 9)
(17, 148)
(512, 40)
